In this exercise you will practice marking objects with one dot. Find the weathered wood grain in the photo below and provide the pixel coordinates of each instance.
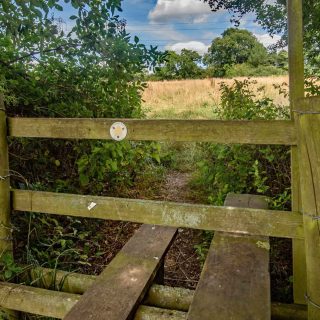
(249, 132)
(56, 304)
(164, 297)
(160, 296)
(236, 220)
(35, 300)
(152, 313)
(235, 281)
(119, 289)
(5, 228)
(296, 91)
(5, 210)
(309, 164)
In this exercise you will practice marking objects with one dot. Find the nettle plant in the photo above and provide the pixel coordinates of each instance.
(246, 168)
(84, 64)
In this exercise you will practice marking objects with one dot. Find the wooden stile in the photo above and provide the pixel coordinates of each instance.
(246, 132)
(119, 289)
(204, 217)
(309, 164)
(235, 281)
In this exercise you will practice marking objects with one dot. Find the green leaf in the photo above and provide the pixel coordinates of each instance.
(58, 7)
(156, 157)
(84, 180)
(8, 274)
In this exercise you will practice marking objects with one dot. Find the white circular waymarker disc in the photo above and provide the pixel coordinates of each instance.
(118, 131)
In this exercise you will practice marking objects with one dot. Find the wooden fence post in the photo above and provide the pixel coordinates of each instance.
(309, 164)
(296, 91)
(5, 227)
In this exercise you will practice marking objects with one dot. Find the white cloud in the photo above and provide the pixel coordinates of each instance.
(198, 46)
(182, 10)
(267, 40)
(168, 33)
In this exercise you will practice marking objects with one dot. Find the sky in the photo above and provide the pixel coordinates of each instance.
(178, 24)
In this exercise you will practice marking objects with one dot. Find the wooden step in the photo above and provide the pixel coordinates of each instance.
(119, 289)
(235, 281)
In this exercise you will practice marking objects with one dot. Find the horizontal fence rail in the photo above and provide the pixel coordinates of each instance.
(164, 297)
(57, 304)
(237, 220)
(246, 132)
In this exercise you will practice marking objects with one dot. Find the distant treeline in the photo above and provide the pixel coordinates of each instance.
(236, 53)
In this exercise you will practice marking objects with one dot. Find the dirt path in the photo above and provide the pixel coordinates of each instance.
(176, 187)
(182, 264)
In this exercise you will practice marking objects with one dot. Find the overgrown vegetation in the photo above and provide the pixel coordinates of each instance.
(245, 168)
(272, 16)
(94, 70)
(236, 53)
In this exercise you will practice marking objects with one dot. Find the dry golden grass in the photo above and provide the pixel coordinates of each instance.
(198, 98)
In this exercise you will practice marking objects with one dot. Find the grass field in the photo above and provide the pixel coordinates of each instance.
(198, 98)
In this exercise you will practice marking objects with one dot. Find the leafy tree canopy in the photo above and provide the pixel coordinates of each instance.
(92, 69)
(180, 66)
(235, 46)
(272, 16)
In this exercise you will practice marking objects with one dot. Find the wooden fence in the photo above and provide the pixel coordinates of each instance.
(302, 133)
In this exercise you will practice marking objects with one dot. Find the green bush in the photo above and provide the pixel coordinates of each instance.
(108, 166)
(93, 70)
(246, 168)
(248, 70)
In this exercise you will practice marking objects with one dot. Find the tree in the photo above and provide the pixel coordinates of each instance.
(272, 16)
(90, 69)
(189, 64)
(235, 46)
(180, 66)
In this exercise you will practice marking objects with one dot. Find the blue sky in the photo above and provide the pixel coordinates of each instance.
(177, 24)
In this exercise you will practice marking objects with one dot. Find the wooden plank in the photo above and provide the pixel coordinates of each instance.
(250, 132)
(204, 217)
(296, 91)
(235, 281)
(309, 164)
(119, 289)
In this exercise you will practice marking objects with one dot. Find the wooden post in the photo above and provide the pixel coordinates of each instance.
(296, 91)
(309, 164)
(5, 228)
